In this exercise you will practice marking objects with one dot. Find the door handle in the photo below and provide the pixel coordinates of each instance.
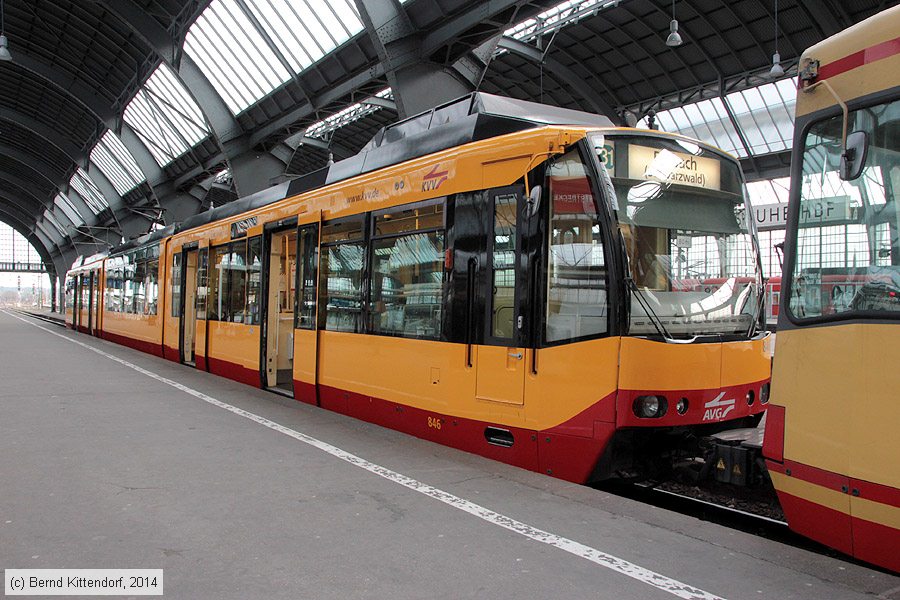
(516, 355)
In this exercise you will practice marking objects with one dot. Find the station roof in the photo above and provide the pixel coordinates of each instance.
(118, 117)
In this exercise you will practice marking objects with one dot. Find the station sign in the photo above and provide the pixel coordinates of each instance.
(770, 216)
(821, 211)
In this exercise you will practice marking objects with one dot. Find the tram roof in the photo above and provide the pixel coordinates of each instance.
(471, 118)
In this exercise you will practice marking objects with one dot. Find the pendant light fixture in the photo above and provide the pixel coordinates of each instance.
(674, 39)
(4, 44)
(777, 70)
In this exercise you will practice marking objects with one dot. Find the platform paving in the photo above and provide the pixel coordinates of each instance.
(241, 493)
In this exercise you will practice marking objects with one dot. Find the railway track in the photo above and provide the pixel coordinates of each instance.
(753, 511)
(57, 322)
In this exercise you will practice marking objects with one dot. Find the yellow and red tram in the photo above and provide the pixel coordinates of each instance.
(829, 441)
(83, 295)
(499, 276)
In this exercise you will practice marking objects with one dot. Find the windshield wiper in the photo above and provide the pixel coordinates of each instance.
(651, 314)
(760, 307)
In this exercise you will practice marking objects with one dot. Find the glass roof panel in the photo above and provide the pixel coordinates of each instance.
(65, 205)
(569, 11)
(322, 128)
(233, 54)
(48, 216)
(706, 120)
(116, 162)
(165, 116)
(769, 191)
(81, 182)
(766, 115)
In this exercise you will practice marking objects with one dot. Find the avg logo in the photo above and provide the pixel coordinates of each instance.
(434, 178)
(717, 408)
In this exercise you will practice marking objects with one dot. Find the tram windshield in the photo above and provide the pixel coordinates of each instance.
(847, 257)
(682, 213)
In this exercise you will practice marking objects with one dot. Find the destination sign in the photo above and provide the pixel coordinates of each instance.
(655, 164)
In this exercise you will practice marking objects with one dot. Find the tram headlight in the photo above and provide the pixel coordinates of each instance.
(764, 393)
(682, 406)
(650, 407)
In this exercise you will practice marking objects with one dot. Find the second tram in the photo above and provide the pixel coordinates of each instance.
(829, 442)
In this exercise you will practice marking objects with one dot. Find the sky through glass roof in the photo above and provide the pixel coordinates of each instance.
(116, 162)
(65, 206)
(81, 182)
(247, 48)
(764, 114)
(166, 117)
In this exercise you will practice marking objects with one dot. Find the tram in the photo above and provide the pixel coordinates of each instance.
(830, 442)
(508, 278)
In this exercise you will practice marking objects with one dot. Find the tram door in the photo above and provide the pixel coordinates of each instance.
(489, 260)
(188, 312)
(79, 301)
(278, 328)
(91, 299)
(97, 303)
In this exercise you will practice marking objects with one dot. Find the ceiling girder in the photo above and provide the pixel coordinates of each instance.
(557, 69)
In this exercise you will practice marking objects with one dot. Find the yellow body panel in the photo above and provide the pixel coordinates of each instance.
(873, 447)
(500, 374)
(838, 385)
(748, 361)
(650, 365)
(434, 377)
(235, 343)
(305, 355)
(863, 80)
(145, 328)
(570, 378)
(398, 370)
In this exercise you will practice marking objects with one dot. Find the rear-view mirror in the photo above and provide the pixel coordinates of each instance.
(854, 157)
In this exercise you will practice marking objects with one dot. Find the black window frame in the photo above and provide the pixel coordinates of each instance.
(322, 297)
(801, 131)
(370, 251)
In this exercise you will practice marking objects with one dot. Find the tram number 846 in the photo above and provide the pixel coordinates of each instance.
(434, 423)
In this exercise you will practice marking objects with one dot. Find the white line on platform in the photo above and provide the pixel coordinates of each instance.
(672, 586)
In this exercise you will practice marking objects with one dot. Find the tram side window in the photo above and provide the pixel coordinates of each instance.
(343, 256)
(233, 294)
(85, 291)
(254, 275)
(70, 292)
(237, 283)
(152, 287)
(128, 290)
(139, 288)
(176, 284)
(407, 285)
(307, 264)
(577, 301)
(114, 285)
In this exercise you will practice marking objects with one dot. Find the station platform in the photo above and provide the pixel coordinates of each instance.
(111, 458)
